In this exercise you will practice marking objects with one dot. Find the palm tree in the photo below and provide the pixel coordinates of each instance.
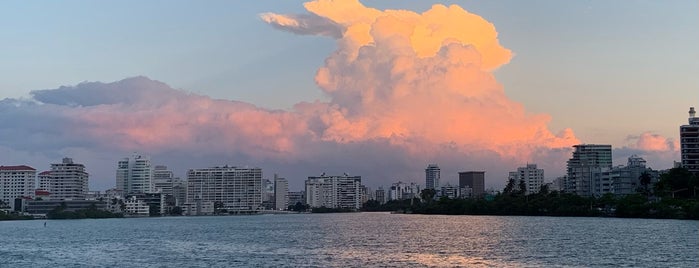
(645, 179)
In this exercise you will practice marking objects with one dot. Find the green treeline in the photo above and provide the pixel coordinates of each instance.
(89, 213)
(674, 197)
(13, 216)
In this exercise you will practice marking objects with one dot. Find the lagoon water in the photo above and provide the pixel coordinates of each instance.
(350, 240)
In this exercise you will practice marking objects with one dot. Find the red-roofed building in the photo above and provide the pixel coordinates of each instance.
(16, 182)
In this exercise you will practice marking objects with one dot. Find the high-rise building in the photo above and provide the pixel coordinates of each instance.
(432, 177)
(587, 160)
(474, 180)
(66, 181)
(381, 195)
(689, 142)
(135, 175)
(16, 182)
(532, 177)
(238, 189)
(334, 191)
(281, 193)
(165, 182)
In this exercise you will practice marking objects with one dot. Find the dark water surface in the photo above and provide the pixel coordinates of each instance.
(350, 240)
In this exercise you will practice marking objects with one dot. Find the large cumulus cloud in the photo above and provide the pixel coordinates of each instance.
(404, 89)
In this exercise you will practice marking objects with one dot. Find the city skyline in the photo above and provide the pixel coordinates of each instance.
(515, 106)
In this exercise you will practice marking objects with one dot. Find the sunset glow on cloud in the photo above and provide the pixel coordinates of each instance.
(403, 89)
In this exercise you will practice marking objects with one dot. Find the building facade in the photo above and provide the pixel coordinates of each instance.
(238, 189)
(281, 193)
(16, 182)
(432, 177)
(532, 177)
(66, 181)
(402, 191)
(689, 143)
(474, 180)
(587, 160)
(134, 175)
(334, 191)
(624, 180)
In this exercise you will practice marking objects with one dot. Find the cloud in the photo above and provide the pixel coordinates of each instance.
(305, 24)
(404, 89)
(648, 141)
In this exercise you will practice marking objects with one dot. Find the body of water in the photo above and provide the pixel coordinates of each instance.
(350, 240)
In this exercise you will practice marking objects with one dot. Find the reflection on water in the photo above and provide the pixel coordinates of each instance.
(351, 240)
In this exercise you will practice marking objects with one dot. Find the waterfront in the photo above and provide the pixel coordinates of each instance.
(350, 240)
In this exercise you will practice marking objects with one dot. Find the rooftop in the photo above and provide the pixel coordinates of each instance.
(16, 168)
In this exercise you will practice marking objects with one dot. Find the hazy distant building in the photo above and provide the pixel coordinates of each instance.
(624, 180)
(66, 181)
(532, 177)
(474, 180)
(450, 191)
(402, 191)
(587, 160)
(281, 193)
(334, 191)
(689, 142)
(381, 195)
(238, 189)
(134, 175)
(297, 197)
(16, 182)
(432, 177)
(165, 182)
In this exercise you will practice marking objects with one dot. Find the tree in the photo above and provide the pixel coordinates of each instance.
(218, 207)
(678, 183)
(510, 187)
(644, 180)
(428, 194)
(177, 210)
(522, 187)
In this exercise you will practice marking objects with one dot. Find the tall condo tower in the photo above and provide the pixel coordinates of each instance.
(432, 177)
(586, 161)
(135, 175)
(689, 142)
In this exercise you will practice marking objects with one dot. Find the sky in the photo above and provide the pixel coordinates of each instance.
(379, 88)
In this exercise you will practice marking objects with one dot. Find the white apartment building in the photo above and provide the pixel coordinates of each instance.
(15, 182)
(334, 191)
(281, 193)
(401, 190)
(587, 160)
(532, 176)
(134, 175)
(65, 181)
(239, 189)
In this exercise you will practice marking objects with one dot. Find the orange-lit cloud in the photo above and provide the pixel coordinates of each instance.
(404, 89)
(650, 142)
(398, 74)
